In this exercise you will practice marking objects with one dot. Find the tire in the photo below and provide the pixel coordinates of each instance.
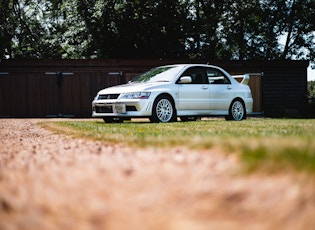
(237, 111)
(163, 110)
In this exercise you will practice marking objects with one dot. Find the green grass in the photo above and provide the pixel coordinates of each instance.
(272, 144)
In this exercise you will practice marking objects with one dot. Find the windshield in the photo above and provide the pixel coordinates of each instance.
(161, 74)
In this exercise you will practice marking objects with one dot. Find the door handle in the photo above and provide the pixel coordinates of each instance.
(229, 87)
(204, 87)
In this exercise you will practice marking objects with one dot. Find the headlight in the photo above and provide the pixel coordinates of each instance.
(136, 95)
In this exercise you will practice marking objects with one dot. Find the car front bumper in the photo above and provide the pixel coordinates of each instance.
(126, 108)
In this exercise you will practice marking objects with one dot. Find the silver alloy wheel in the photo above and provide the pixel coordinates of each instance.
(164, 110)
(237, 110)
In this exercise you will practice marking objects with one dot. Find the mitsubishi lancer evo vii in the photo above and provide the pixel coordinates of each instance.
(187, 91)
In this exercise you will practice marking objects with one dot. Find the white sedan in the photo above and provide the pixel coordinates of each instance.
(164, 93)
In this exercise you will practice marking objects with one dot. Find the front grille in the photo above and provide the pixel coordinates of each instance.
(104, 109)
(107, 96)
(109, 109)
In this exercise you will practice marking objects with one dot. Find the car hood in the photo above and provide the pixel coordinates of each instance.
(132, 87)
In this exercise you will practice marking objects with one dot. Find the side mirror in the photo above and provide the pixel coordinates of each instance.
(185, 80)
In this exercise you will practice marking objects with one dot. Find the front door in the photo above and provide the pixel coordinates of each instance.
(194, 95)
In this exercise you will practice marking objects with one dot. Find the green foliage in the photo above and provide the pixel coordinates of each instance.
(301, 159)
(214, 29)
(272, 144)
(311, 92)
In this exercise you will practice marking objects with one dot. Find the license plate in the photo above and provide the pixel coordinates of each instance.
(120, 108)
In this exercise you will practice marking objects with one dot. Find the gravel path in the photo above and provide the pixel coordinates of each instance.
(48, 181)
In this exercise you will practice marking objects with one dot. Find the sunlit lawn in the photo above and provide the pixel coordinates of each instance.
(275, 144)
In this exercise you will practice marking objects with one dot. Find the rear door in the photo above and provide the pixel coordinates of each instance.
(220, 89)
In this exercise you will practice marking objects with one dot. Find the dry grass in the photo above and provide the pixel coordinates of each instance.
(272, 144)
(52, 182)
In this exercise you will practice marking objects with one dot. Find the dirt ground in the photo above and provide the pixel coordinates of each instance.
(48, 181)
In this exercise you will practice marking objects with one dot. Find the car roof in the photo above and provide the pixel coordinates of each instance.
(191, 65)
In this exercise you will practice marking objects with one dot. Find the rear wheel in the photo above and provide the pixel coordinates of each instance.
(237, 111)
(163, 110)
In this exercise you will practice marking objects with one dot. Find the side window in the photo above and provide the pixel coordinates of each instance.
(197, 74)
(215, 76)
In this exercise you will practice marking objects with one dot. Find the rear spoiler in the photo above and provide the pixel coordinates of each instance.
(246, 77)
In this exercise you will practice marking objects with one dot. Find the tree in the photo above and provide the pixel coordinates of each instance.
(205, 38)
(7, 27)
(135, 28)
(208, 29)
(25, 29)
(298, 29)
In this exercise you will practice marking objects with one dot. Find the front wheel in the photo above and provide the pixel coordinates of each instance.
(237, 111)
(163, 110)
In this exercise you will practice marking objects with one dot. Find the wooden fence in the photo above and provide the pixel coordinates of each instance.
(53, 88)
